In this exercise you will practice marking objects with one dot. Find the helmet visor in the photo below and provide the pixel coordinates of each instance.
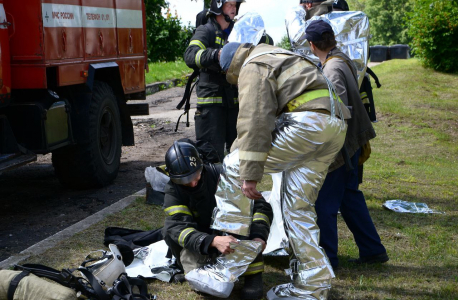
(185, 179)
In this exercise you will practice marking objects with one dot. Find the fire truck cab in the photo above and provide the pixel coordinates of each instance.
(67, 70)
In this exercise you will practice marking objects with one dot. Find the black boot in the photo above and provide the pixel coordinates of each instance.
(253, 287)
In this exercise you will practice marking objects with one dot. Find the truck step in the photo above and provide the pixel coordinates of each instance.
(138, 109)
(13, 160)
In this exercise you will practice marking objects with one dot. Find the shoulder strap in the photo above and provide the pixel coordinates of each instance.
(122, 290)
(99, 291)
(14, 284)
(64, 277)
(275, 51)
(370, 72)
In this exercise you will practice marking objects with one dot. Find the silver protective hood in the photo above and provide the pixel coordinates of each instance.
(351, 29)
(152, 262)
(248, 29)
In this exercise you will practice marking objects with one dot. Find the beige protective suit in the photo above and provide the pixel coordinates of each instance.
(289, 123)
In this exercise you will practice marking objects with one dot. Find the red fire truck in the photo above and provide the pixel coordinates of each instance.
(67, 69)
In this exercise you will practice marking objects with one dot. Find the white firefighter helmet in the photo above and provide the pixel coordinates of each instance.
(106, 268)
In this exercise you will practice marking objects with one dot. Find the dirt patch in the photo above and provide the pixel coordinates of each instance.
(34, 206)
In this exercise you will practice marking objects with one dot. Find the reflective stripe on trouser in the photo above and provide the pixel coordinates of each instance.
(304, 145)
(254, 268)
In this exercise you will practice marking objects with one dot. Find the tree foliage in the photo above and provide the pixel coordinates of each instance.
(357, 5)
(433, 26)
(387, 21)
(166, 38)
(284, 43)
(206, 3)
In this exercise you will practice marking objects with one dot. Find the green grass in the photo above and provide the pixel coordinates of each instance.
(163, 71)
(414, 158)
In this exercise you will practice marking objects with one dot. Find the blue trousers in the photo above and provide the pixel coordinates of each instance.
(340, 191)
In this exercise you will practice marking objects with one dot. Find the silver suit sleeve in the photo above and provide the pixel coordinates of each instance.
(218, 279)
(234, 211)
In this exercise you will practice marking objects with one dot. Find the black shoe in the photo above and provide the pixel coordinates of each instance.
(178, 278)
(253, 287)
(335, 268)
(372, 259)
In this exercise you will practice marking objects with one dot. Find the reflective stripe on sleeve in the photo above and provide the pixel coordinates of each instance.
(261, 217)
(183, 235)
(198, 55)
(197, 43)
(178, 209)
(252, 156)
(254, 268)
(218, 41)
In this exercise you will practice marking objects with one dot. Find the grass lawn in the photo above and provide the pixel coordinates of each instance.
(414, 158)
(163, 71)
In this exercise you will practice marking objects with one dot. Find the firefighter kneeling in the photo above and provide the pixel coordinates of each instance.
(189, 203)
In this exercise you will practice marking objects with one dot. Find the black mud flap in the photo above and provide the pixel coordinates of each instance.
(12, 155)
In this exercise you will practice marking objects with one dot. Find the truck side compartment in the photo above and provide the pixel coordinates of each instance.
(68, 69)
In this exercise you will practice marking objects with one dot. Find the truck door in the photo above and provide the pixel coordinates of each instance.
(129, 23)
(99, 22)
(63, 33)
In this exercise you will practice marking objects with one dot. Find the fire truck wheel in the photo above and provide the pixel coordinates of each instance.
(95, 163)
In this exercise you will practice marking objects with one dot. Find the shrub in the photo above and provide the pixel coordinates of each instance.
(166, 38)
(284, 43)
(433, 26)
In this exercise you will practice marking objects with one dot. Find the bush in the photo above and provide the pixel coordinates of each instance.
(284, 43)
(433, 26)
(166, 38)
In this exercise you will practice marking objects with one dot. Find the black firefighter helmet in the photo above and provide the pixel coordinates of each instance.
(340, 5)
(183, 163)
(216, 6)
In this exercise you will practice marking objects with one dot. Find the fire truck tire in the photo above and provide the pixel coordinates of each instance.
(96, 163)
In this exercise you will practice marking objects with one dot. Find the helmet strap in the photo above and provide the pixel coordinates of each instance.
(227, 18)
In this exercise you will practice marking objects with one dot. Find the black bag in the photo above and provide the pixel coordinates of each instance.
(131, 237)
(366, 94)
(202, 17)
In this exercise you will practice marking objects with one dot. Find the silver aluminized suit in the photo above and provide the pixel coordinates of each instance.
(288, 123)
